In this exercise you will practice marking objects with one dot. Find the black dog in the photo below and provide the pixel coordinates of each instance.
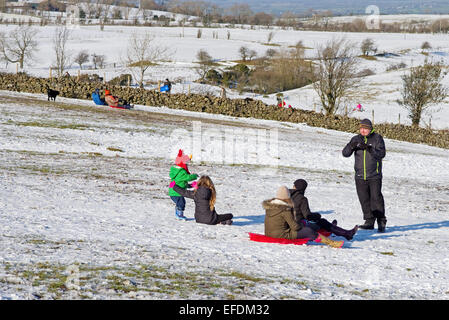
(52, 94)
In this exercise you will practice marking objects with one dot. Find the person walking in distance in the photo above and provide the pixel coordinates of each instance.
(368, 148)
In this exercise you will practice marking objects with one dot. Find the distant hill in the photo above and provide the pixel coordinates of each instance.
(343, 7)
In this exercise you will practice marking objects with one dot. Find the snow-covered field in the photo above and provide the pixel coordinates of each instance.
(84, 210)
(377, 93)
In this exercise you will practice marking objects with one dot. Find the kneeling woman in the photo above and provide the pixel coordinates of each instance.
(205, 197)
(280, 222)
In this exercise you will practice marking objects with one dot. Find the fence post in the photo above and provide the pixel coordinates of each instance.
(373, 118)
(51, 77)
(399, 119)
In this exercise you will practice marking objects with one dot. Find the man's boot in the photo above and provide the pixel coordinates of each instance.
(348, 234)
(368, 225)
(381, 224)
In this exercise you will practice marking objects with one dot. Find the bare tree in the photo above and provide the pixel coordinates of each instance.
(148, 5)
(244, 52)
(205, 63)
(81, 58)
(252, 54)
(98, 60)
(60, 38)
(143, 52)
(287, 70)
(241, 12)
(422, 88)
(368, 46)
(270, 36)
(288, 19)
(262, 18)
(334, 73)
(426, 46)
(19, 46)
(51, 5)
(2, 5)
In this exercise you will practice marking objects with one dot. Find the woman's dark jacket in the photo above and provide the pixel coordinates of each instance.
(301, 207)
(201, 196)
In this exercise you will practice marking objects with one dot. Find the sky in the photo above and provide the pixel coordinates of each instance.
(344, 6)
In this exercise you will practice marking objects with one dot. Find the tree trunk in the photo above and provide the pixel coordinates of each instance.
(416, 119)
(416, 116)
(142, 72)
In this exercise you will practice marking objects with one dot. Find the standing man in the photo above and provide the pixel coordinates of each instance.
(369, 150)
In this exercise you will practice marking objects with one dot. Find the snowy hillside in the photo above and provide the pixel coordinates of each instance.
(377, 93)
(85, 213)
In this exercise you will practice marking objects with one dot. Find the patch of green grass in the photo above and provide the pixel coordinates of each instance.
(302, 47)
(93, 154)
(52, 281)
(42, 169)
(369, 58)
(242, 276)
(271, 44)
(143, 63)
(387, 253)
(55, 125)
(360, 293)
(36, 241)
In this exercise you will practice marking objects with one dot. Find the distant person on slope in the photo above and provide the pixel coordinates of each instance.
(368, 148)
(167, 83)
(97, 99)
(111, 100)
(114, 101)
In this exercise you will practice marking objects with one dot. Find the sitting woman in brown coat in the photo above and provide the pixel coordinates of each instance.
(280, 222)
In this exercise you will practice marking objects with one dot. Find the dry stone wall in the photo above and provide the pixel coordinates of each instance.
(70, 87)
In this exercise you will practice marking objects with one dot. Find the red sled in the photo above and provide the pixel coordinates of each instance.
(262, 238)
(121, 107)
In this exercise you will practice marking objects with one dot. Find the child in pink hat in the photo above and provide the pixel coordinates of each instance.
(180, 176)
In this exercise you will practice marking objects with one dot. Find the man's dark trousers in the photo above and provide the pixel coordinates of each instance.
(371, 198)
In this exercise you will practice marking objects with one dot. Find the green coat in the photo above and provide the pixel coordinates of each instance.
(181, 177)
